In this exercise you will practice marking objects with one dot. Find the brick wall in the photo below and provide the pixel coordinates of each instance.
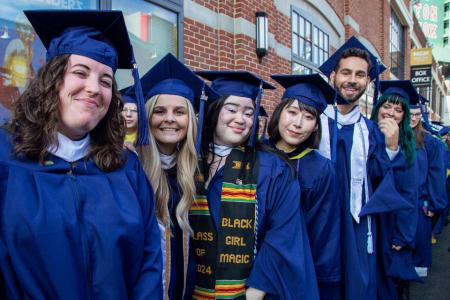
(208, 48)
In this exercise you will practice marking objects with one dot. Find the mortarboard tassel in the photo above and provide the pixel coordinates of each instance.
(256, 114)
(335, 132)
(201, 113)
(377, 84)
(263, 136)
(142, 116)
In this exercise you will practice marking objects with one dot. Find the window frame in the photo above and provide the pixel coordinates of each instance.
(313, 64)
(175, 6)
(398, 44)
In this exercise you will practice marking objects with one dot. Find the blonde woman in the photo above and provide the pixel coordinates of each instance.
(170, 162)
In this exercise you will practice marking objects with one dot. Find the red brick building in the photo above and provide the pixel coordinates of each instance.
(221, 35)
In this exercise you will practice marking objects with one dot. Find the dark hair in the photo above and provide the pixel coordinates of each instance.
(354, 52)
(313, 140)
(406, 134)
(35, 118)
(209, 128)
(419, 135)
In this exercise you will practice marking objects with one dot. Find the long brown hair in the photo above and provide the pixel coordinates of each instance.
(419, 135)
(35, 118)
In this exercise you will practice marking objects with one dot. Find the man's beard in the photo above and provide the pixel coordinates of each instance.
(354, 98)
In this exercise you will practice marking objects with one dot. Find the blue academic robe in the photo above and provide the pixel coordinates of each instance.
(317, 179)
(359, 268)
(181, 260)
(398, 228)
(72, 231)
(283, 266)
(430, 181)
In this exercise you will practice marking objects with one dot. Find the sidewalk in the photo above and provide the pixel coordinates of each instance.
(437, 284)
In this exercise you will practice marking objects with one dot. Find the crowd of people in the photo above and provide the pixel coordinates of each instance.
(169, 189)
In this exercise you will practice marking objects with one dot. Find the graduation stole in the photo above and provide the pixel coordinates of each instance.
(224, 256)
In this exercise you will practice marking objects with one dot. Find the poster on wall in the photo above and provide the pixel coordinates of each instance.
(21, 52)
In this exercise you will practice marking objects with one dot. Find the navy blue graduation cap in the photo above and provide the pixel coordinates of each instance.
(424, 112)
(314, 91)
(376, 66)
(403, 88)
(239, 83)
(311, 90)
(128, 95)
(444, 130)
(99, 35)
(170, 76)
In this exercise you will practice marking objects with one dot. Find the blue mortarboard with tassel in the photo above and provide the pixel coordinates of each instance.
(310, 89)
(170, 76)
(99, 35)
(242, 84)
(314, 91)
(376, 66)
(403, 88)
(423, 110)
(444, 131)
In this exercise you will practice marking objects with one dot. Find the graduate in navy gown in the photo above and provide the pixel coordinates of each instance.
(430, 181)
(250, 238)
(443, 135)
(130, 114)
(77, 218)
(363, 167)
(295, 130)
(173, 93)
(397, 229)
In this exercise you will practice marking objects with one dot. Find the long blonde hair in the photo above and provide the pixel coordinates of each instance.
(186, 169)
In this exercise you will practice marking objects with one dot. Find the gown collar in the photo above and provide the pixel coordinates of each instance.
(70, 150)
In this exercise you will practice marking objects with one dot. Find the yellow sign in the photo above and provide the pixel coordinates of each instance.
(421, 56)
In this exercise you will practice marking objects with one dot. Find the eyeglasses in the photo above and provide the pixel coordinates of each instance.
(417, 115)
(129, 110)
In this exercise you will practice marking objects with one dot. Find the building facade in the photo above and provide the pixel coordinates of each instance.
(221, 34)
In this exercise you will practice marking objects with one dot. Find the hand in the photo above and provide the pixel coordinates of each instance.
(430, 214)
(390, 130)
(254, 294)
(396, 248)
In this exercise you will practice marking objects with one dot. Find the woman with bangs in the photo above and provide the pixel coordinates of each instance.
(396, 230)
(295, 130)
(170, 162)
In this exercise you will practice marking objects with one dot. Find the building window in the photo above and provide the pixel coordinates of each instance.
(310, 44)
(397, 47)
(153, 31)
(446, 42)
(446, 27)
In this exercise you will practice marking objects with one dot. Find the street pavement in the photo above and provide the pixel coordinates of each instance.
(437, 284)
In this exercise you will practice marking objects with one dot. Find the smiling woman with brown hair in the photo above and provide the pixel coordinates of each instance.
(77, 217)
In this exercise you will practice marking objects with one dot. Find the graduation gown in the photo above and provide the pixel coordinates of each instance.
(430, 181)
(72, 231)
(319, 204)
(398, 228)
(359, 268)
(176, 252)
(283, 266)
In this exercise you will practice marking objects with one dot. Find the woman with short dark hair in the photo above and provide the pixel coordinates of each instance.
(295, 130)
